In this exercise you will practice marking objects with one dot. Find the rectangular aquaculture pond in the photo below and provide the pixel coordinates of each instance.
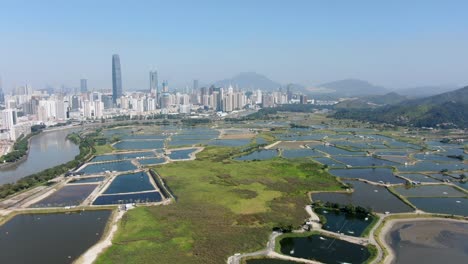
(146, 197)
(121, 156)
(54, 238)
(139, 144)
(152, 161)
(124, 165)
(374, 175)
(429, 191)
(134, 182)
(324, 249)
(377, 198)
(70, 195)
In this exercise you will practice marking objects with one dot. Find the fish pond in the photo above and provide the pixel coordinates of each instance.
(418, 177)
(449, 205)
(374, 175)
(152, 161)
(124, 165)
(122, 156)
(181, 154)
(139, 144)
(329, 162)
(300, 153)
(341, 222)
(54, 238)
(70, 195)
(134, 182)
(364, 161)
(145, 197)
(429, 191)
(324, 249)
(377, 198)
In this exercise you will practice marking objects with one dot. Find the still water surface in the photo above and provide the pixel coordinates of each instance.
(46, 150)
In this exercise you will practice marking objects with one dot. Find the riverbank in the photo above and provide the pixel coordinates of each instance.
(24, 151)
(86, 150)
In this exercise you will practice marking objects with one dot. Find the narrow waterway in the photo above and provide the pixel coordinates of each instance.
(46, 150)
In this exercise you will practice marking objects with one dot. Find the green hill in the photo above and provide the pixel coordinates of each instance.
(444, 110)
(371, 101)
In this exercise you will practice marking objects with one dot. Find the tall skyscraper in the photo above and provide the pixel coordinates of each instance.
(154, 83)
(116, 78)
(84, 85)
(195, 86)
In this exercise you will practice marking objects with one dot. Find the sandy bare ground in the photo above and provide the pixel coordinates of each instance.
(238, 136)
(91, 255)
(273, 145)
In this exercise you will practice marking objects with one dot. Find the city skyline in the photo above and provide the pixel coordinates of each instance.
(209, 41)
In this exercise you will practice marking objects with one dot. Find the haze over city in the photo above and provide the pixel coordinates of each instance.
(397, 44)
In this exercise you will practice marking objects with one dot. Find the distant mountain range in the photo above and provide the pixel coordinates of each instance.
(249, 80)
(442, 109)
(353, 87)
(336, 89)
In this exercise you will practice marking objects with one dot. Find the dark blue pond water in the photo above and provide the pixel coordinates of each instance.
(128, 198)
(337, 151)
(69, 195)
(364, 161)
(188, 142)
(340, 222)
(56, 238)
(181, 154)
(419, 177)
(135, 182)
(140, 144)
(433, 166)
(377, 198)
(375, 175)
(456, 206)
(429, 191)
(300, 153)
(122, 156)
(324, 249)
(330, 162)
(152, 161)
(143, 136)
(124, 165)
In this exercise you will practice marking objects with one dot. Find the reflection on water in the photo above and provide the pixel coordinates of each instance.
(50, 238)
(47, 150)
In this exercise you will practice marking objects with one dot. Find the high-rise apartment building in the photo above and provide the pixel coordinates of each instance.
(116, 78)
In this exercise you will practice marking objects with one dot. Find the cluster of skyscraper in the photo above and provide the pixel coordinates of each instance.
(26, 107)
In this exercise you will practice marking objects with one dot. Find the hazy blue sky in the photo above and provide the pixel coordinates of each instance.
(392, 43)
